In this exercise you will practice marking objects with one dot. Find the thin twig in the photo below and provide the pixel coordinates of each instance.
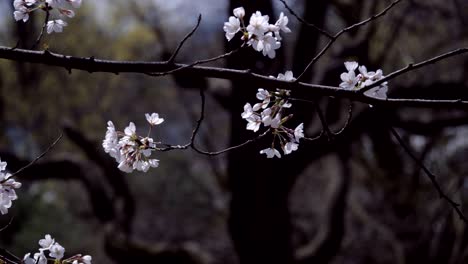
(5, 253)
(36, 159)
(320, 30)
(214, 153)
(348, 120)
(43, 27)
(195, 131)
(8, 224)
(413, 66)
(337, 35)
(322, 132)
(198, 62)
(430, 175)
(200, 119)
(324, 122)
(174, 55)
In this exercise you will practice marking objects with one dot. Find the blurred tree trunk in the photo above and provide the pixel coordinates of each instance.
(259, 223)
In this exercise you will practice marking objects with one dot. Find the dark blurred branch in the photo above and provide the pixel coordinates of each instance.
(304, 22)
(67, 169)
(430, 127)
(386, 232)
(128, 250)
(325, 246)
(337, 35)
(429, 174)
(114, 177)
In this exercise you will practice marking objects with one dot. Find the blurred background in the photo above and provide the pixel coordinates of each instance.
(358, 199)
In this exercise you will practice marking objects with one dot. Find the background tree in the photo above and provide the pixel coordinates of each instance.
(329, 202)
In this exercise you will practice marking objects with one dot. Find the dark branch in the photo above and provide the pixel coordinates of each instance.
(95, 65)
(414, 66)
(430, 175)
(174, 55)
(348, 120)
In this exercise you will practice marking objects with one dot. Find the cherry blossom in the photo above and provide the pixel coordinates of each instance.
(56, 251)
(271, 152)
(54, 7)
(259, 33)
(154, 119)
(239, 12)
(131, 151)
(270, 114)
(7, 189)
(365, 78)
(56, 26)
(46, 242)
(231, 27)
(83, 260)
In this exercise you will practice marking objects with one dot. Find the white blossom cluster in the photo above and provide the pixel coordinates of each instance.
(7, 189)
(260, 34)
(24, 7)
(352, 81)
(130, 150)
(56, 252)
(269, 112)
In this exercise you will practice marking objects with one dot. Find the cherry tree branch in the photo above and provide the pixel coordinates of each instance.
(430, 175)
(92, 64)
(414, 66)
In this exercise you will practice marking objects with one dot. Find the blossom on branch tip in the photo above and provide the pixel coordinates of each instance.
(262, 36)
(24, 7)
(56, 251)
(287, 76)
(46, 242)
(270, 152)
(270, 114)
(365, 78)
(154, 119)
(21, 13)
(131, 151)
(299, 132)
(239, 12)
(83, 260)
(56, 26)
(231, 27)
(7, 189)
(290, 147)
